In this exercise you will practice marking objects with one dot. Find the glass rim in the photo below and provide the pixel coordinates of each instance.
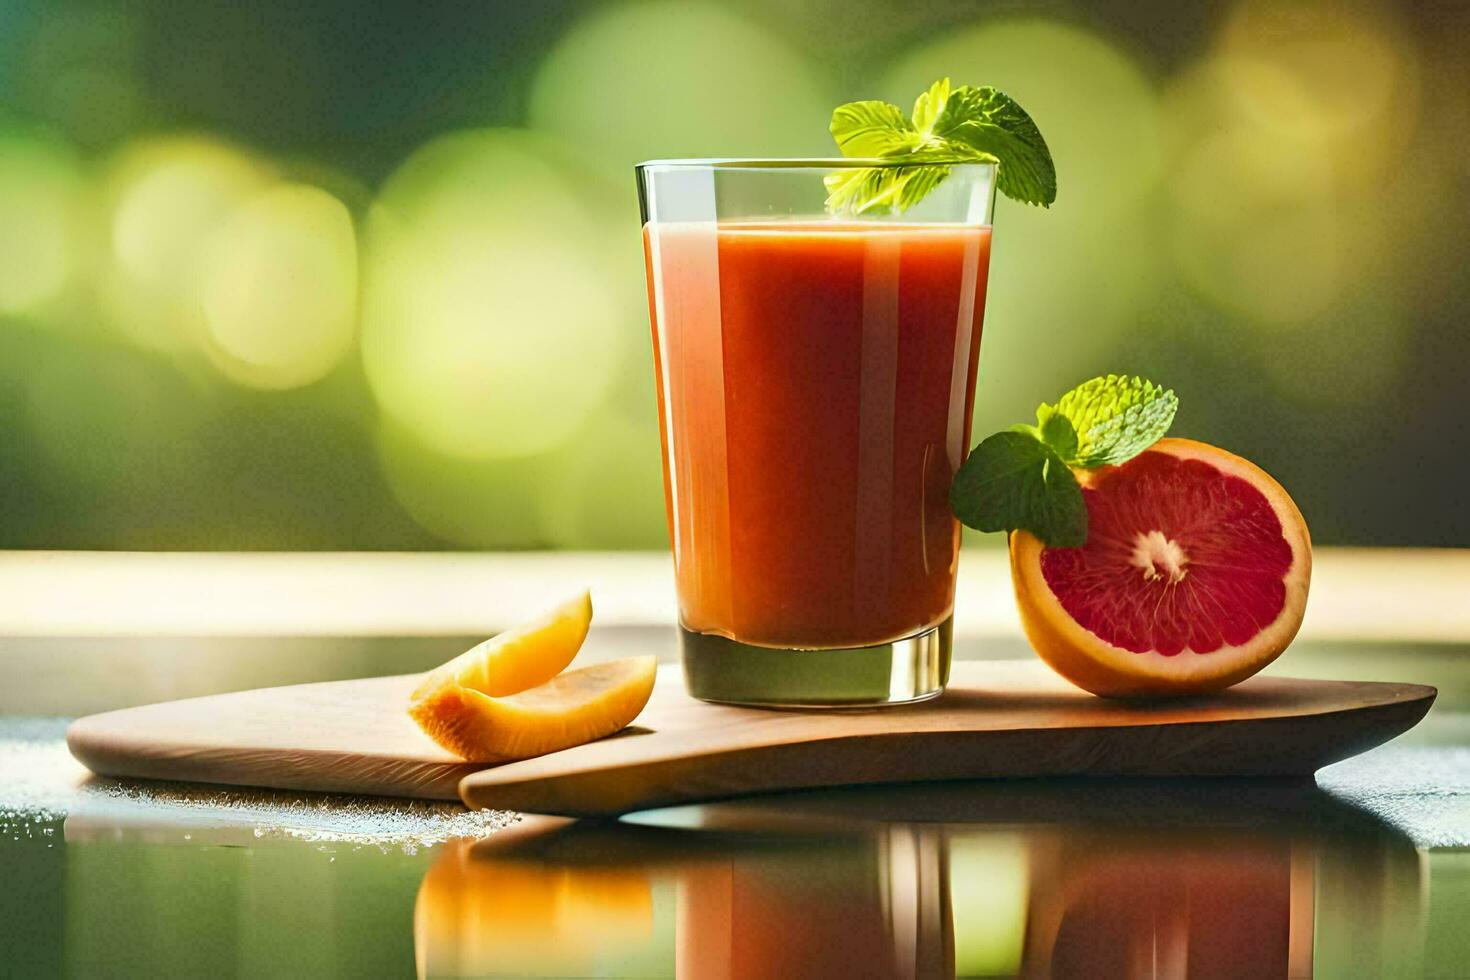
(804, 163)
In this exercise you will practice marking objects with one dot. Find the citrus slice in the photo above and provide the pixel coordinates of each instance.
(572, 708)
(523, 657)
(1194, 576)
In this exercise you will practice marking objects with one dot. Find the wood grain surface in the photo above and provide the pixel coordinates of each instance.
(998, 719)
(338, 736)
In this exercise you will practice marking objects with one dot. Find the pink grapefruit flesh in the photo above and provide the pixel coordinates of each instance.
(1194, 576)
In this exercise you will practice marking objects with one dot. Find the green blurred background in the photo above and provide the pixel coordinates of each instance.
(368, 276)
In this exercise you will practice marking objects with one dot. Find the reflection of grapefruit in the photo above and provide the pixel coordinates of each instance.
(1200, 902)
(1194, 576)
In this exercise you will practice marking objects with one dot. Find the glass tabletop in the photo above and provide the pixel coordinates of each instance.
(1364, 871)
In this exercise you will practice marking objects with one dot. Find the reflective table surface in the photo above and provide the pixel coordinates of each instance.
(1362, 872)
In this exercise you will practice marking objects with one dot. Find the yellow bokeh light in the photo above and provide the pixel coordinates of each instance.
(172, 194)
(1208, 99)
(477, 503)
(1354, 68)
(41, 213)
(1099, 112)
(493, 310)
(639, 80)
(1279, 268)
(601, 490)
(278, 287)
(1279, 144)
(166, 198)
(1096, 106)
(1254, 228)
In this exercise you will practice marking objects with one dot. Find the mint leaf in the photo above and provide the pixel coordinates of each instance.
(1115, 418)
(989, 121)
(881, 190)
(929, 105)
(1021, 479)
(1052, 430)
(947, 126)
(1013, 481)
(872, 129)
(1057, 432)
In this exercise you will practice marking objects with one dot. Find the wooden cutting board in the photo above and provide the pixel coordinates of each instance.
(999, 718)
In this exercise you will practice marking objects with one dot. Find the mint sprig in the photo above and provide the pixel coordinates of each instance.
(1022, 479)
(873, 129)
(947, 126)
(880, 190)
(1115, 417)
(1014, 480)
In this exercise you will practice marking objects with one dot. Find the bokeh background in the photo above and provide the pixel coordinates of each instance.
(368, 276)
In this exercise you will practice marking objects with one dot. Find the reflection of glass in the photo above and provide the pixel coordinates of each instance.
(865, 906)
(815, 382)
(1144, 880)
(608, 900)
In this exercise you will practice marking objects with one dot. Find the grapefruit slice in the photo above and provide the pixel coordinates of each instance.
(518, 658)
(1194, 576)
(575, 707)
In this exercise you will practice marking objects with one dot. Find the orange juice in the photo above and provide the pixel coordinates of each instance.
(815, 387)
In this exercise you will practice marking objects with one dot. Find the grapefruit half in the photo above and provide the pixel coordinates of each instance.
(1194, 576)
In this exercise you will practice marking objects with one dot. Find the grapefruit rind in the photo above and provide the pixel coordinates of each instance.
(1096, 665)
(570, 709)
(519, 658)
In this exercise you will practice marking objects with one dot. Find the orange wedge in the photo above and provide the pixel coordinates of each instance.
(519, 658)
(572, 708)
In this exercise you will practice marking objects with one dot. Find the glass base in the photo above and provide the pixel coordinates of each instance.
(730, 672)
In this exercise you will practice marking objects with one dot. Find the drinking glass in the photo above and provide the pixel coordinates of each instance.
(815, 380)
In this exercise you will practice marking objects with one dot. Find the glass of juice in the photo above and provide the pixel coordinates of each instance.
(815, 379)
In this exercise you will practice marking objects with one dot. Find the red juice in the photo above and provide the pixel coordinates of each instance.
(816, 381)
